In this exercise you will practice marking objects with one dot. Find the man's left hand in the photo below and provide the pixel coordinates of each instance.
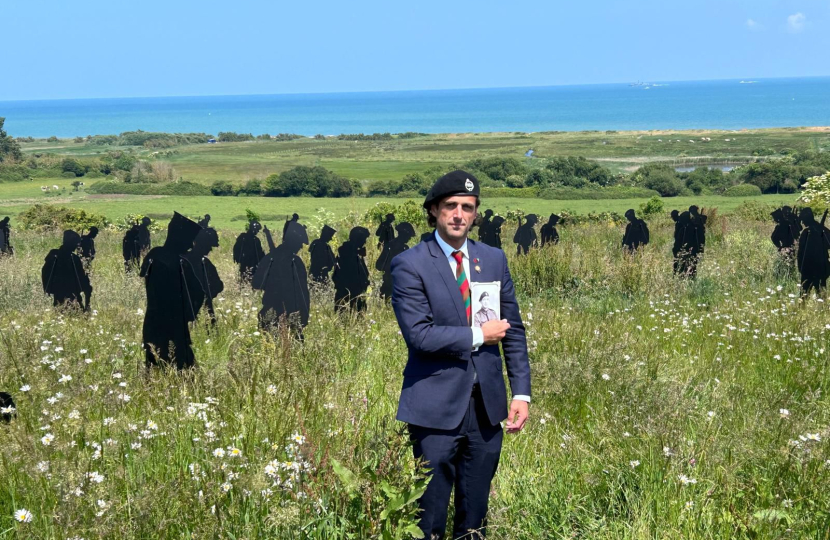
(517, 417)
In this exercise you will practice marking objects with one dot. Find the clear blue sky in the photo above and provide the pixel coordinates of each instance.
(107, 48)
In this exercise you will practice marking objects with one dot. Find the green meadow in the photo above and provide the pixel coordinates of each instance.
(662, 407)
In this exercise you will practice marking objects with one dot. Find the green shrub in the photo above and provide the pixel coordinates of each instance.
(70, 165)
(307, 181)
(14, 173)
(409, 211)
(754, 211)
(180, 188)
(743, 190)
(596, 193)
(45, 217)
(222, 188)
(653, 206)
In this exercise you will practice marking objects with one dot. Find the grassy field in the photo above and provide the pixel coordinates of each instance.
(662, 408)
(384, 160)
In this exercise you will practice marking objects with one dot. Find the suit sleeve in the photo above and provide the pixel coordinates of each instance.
(514, 343)
(414, 316)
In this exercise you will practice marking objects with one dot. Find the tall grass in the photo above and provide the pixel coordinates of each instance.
(657, 406)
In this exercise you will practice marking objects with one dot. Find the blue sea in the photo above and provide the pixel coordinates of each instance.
(726, 104)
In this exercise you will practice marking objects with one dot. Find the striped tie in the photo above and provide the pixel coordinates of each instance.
(463, 284)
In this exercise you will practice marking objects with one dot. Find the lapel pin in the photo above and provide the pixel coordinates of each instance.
(475, 260)
(478, 269)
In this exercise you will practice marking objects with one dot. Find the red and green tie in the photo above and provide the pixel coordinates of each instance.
(463, 284)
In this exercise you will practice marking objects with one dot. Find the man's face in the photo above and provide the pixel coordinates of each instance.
(454, 216)
(485, 302)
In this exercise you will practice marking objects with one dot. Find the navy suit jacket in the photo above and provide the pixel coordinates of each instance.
(438, 378)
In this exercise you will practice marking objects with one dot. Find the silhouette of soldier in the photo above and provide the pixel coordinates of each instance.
(548, 231)
(204, 269)
(8, 409)
(5, 237)
(812, 258)
(351, 276)
(699, 223)
(174, 296)
(485, 228)
(792, 219)
(525, 237)
(205, 221)
(686, 249)
(88, 246)
(386, 231)
(391, 249)
(636, 232)
(484, 313)
(282, 276)
(322, 256)
(247, 251)
(63, 275)
(495, 233)
(136, 242)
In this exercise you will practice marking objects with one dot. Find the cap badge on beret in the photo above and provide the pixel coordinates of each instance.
(469, 185)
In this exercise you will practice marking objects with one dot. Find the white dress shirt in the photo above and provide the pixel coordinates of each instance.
(478, 334)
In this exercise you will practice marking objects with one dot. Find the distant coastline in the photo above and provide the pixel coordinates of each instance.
(730, 105)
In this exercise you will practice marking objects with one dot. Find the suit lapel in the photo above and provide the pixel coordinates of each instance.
(442, 266)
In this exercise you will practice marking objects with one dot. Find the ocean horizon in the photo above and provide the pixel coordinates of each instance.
(723, 104)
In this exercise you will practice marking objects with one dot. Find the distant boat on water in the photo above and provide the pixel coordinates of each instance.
(749, 82)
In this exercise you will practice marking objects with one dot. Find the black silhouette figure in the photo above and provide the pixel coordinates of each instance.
(495, 234)
(813, 245)
(247, 251)
(205, 221)
(136, 242)
(294, 218)
(386, 231)
(174, 296)
(282, 275)
(204, 269)
(8, 409)
(787, 230)
(525, 237)
(88, 246)
(351, 276)
(636, 232)
(322, 256)
(699, 223)
(63, 275)
(548, 231)
(390, 250)
(485, 229)
(686, 248)
(5, 237)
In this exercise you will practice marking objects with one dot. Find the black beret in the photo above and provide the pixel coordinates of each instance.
(454, 183)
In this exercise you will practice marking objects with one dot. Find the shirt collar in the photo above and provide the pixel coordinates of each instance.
(448, 249)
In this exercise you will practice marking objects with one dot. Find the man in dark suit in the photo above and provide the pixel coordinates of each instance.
(453, 396)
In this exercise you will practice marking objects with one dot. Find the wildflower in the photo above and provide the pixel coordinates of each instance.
(47, 439)
(152, 425)
(235, 452)
(813, 437)
(25, 388)
(667, 451)
(783, 413)
(42, 466)
(135, 445)
(219, 452)
(124, 397)
(297, 438)
(634, 463)
(606, 377)
(685, 480)
(23, 516)
(226, 487)
(95, 477)
(271, 390)
(7, 410)
(690, 505)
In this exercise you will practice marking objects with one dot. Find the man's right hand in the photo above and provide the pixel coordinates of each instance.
(494, 331)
